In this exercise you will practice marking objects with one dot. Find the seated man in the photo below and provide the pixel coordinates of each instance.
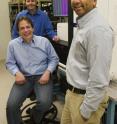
(31, 59)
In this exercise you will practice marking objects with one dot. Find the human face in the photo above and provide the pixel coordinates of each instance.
(81, 7)
(25, 30)
(31, 4)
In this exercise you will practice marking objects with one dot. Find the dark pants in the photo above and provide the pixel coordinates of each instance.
(19, 94)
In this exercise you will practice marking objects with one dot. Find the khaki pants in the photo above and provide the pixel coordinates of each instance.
(71, 114)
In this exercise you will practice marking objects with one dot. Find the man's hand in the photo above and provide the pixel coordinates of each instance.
(45, 77)
(19, 78)
(56, 39)
(85, 119)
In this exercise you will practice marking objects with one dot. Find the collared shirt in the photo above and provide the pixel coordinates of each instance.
(31, 58)
(41, 22)
(89, 59)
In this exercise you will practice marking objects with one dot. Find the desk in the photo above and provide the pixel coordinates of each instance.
(112, 93)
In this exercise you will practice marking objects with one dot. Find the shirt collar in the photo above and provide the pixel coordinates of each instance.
(38, 12)
(22, 41)
(86, 18)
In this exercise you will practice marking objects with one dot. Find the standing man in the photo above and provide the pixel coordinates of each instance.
(41, 21)
(88, 66)
(31, 59)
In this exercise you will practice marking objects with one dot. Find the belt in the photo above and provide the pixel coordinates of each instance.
(76, 90)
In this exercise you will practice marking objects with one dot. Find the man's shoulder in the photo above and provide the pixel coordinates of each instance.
(14, 41)
(98, 23)
(42, 13)
(22, 13)
(40, 40)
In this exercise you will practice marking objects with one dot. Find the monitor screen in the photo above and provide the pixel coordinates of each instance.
(60, 7)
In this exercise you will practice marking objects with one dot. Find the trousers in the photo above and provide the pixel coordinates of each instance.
(18, 95)
(71, 111)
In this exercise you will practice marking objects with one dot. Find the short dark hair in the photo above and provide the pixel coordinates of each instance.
(23, 18)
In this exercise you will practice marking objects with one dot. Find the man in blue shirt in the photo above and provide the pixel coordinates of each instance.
(31, 59)
(41, 21)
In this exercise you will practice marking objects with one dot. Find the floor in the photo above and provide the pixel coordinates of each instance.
(6, 81)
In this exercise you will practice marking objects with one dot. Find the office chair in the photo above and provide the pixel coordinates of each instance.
(48, 118)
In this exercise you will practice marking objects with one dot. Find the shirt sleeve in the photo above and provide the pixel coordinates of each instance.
(10, 61)
(99, 54)
(14, 32)
(53, 59)
(49, 28)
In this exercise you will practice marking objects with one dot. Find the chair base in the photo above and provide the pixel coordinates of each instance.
(48, 118)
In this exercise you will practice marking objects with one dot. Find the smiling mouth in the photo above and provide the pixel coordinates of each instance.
(78, 8)
(79, 5)
(27, 34)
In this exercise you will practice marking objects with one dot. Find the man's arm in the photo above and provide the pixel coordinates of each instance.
(11, 63)
(49, 30)
(52, 63)
(100, 44)
(53, 58)
(14, 32)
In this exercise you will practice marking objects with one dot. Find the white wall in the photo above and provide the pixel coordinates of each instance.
(113, 22)
(109, 9)
(4, 28)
